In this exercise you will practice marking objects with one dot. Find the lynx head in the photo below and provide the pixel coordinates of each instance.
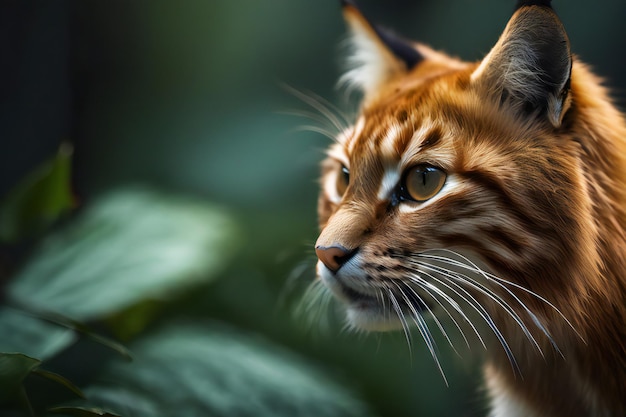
(454, 190)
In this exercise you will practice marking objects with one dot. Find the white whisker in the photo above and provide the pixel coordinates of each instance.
(398, 309)
(330, 112)
(471, 266)
(532, 315)
(313, 306)
(495, 298)
(317, 129)
(457, 307)
(430, 289)
(423, 328)
(475, 304)
(501, 281)
(427, 307)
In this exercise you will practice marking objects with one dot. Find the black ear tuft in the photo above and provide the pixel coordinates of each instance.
(376, 55)
(398, 46)
(544, 3)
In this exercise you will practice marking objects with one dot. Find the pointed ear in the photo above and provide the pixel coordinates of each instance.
(530, 66)
(376, 56)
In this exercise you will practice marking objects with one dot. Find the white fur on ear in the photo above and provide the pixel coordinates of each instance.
(371, 62)
(530, 65)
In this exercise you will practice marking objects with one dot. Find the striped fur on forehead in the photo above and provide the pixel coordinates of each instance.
(437, 126)
(384, 150)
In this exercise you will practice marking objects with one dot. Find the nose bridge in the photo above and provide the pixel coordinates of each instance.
(346, 227)
(357, 213)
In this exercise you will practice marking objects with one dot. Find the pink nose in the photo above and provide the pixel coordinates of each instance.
(333, 256)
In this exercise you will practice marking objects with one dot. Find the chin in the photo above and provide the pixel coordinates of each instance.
(372, 319)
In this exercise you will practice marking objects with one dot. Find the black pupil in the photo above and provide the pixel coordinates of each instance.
(346, 175)
(421, 183)
(425, 175)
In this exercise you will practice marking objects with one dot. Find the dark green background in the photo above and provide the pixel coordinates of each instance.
(186, 96)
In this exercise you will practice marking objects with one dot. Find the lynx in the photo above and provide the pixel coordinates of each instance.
(493, 192)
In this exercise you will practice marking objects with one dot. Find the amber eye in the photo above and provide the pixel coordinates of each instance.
(423, 182)
(343, 179)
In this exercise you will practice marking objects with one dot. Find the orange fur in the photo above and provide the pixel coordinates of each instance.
(537, 197)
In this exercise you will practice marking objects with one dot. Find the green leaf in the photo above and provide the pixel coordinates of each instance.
(207, 369)
(111, 344)
(83, 329)
(39, 199)
(14, 367)
(60, 380)
(82, 411)
(44, 334)
(26, 333)
(130, 246)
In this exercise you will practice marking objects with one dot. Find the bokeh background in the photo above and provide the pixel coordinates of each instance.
(179, 213)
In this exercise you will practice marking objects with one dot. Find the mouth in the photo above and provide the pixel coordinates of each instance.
(378, 309)
(359, 299)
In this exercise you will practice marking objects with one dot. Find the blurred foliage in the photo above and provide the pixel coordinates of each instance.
(14, 368)
(206, 369)
(198, 202)
(38, 200)
(129, 246)
(31, 335)
(81, 412)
